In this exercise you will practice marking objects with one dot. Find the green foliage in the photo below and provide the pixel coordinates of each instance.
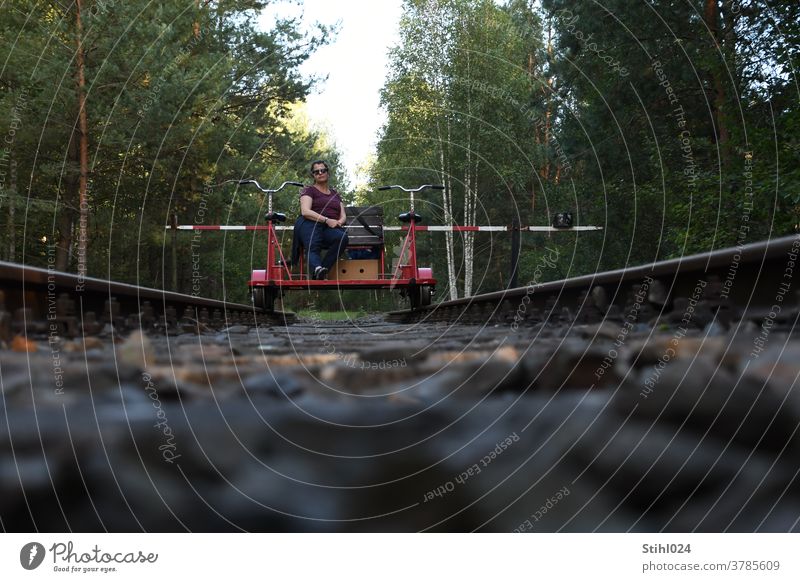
(330, 315)
(179, 99)
(674, 132)
(461, 106)
(682, 142)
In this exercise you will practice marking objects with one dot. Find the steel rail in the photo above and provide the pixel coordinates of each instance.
(740, 280)
(35, 296)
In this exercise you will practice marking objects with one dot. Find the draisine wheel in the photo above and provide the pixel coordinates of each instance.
(264, 297)
(420, 296)
(426, 293)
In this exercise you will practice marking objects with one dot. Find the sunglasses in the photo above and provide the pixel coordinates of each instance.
(318, 172)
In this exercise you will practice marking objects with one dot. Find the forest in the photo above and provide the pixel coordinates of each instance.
(672, 124)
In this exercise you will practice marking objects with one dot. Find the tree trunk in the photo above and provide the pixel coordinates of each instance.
(468, 194)
(471, 195)
(537, 140)
(83, 145)
(468, 236)
(722, 134)
(548, 90)
(196, 23)
(12, 193)
(447, 208)
(65, 213)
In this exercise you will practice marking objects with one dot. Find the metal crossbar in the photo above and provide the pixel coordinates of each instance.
(418, 228)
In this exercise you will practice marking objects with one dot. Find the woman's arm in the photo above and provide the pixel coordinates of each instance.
(342, 215)
(308, 214)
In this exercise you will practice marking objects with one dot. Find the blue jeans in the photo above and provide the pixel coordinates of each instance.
(315, 237)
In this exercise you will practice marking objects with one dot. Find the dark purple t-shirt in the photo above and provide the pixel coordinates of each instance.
(328, 205)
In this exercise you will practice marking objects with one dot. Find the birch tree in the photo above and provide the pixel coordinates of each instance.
(467, 95)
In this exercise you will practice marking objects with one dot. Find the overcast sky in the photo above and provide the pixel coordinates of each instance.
(356, 64)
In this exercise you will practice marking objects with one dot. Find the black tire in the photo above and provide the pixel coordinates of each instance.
(426, 293)
(420, 296)
(264, 298)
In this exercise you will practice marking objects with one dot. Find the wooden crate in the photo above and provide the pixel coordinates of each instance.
(349, 269)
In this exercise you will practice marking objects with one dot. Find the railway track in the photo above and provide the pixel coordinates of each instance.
(736, 283)
(40, 301)
(665, 402)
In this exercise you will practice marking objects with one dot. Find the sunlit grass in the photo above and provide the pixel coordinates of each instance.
(331, 315)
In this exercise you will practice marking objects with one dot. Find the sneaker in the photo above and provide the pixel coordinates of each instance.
(320, 273)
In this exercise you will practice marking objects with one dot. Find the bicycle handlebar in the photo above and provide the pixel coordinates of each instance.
(267, 190)
(423, 187)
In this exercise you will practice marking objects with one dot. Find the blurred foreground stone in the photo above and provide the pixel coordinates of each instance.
(402, 428)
